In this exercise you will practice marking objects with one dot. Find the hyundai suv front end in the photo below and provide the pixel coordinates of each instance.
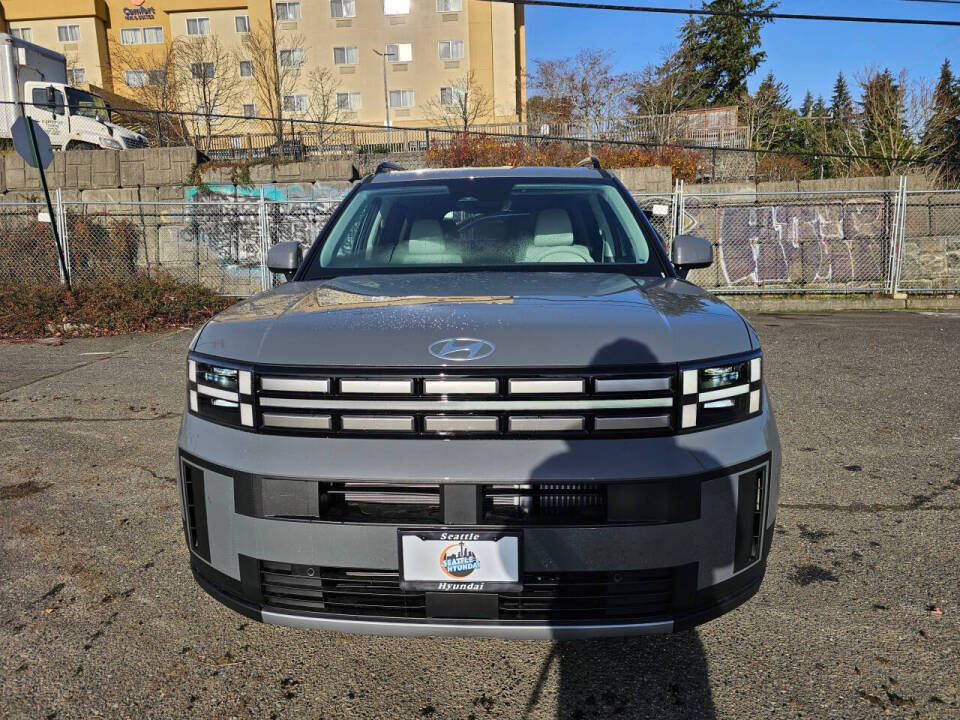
(487, 403)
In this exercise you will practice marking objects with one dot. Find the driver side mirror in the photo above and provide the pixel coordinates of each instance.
(284, 258)
(689, 252)
(51, 102)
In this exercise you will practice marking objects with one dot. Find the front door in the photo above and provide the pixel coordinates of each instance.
(48, 109)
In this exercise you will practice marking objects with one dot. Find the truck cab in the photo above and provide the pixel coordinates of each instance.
(33, 82)
(76, 119)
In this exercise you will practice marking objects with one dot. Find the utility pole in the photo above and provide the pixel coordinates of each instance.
(386, 94)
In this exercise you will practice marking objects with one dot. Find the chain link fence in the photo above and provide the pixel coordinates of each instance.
(838, 242)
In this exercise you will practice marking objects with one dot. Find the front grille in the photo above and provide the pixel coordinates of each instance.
(135, 143)
(339, 591)
(640, 595)
(380, 502)
(502, 403)
(635, 595)
(557, 503)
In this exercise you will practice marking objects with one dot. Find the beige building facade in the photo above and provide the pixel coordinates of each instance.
(421, 50)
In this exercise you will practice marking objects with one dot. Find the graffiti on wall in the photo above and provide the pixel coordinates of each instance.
(841, 241)
(228, 220)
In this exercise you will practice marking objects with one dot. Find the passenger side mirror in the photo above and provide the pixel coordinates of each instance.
(689, 252)
(51, 102)
(284, 258)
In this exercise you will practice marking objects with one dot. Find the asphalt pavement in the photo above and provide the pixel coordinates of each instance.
(858, 617)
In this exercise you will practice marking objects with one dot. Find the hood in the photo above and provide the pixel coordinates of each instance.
(120, 132)
(533, 319)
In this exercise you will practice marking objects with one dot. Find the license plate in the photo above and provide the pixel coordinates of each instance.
(460, 560)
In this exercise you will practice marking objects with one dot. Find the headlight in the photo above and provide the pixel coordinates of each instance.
(220, 392)
(110, 144)
(718, 393)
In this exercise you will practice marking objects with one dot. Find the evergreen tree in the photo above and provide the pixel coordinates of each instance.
(841, 103)
(806, 107)
(941, 137)
(719, 52)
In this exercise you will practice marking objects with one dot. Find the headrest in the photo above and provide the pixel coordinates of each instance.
(553, 229)
(426, 237)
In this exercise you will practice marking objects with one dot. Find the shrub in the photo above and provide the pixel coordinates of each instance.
(139, 303)
(487, 151)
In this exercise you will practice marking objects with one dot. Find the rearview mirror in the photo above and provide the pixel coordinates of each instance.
(689, 252)
(284, 258)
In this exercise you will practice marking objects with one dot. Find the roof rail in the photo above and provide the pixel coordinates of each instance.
(590, 161)
(385, 167)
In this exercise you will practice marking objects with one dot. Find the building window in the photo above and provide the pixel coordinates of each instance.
(199, 71)
(451, 49)
(343, 8)
(295, 103)
(292, 58)
(246, 68)
(152, 35)
(449, 5)
(451, 95)
(24, 33)
(288, 11)
(68, 33)
(396, 7)
(76, 76)
(346, 55)
(242, 23)
(401, 98)
(130, 36)
(135, 78)
(156, 78)
(250, 110)
(399, 52)
(349, 101)
(198, 26)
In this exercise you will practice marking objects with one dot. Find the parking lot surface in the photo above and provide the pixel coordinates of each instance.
(859, 615)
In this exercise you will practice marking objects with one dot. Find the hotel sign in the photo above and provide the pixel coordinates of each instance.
(138, 12)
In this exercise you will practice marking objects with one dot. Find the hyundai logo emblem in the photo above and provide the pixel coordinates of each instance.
(461, 349)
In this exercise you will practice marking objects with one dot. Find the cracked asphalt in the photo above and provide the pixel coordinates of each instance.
(859, 614)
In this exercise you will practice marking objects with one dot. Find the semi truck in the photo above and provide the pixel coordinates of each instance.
(33, 82)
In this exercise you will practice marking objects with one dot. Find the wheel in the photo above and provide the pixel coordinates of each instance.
(80, 145)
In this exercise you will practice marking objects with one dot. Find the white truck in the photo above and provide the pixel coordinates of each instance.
(33, 81)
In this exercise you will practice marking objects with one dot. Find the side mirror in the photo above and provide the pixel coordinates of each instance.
(689, 252)
(284, 258)
(51, 101)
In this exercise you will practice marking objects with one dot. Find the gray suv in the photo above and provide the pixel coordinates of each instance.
(486, 403)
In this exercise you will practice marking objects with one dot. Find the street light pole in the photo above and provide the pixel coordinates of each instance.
(386, 94)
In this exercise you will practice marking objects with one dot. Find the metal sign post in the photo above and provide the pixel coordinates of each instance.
(33, 145)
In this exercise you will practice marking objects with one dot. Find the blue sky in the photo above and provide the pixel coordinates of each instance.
(803, 54)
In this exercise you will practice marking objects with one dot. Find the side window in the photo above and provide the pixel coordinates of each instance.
(42, 99)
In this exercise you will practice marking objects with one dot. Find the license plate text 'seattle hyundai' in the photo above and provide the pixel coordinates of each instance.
(487, 402)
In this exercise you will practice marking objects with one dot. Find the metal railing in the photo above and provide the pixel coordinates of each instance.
(852, 241)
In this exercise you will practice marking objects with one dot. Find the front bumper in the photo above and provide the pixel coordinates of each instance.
(696, 558)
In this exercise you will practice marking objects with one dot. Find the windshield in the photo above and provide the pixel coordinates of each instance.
(486, 222)
(85, 104)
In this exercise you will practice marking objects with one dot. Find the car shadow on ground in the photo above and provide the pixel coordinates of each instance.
(662, 676)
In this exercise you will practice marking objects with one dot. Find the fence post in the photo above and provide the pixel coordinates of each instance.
(159, 130)
(263, 230)
(61, 221)
(901, 232)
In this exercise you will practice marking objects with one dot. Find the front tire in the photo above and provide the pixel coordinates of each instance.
(81, 145)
